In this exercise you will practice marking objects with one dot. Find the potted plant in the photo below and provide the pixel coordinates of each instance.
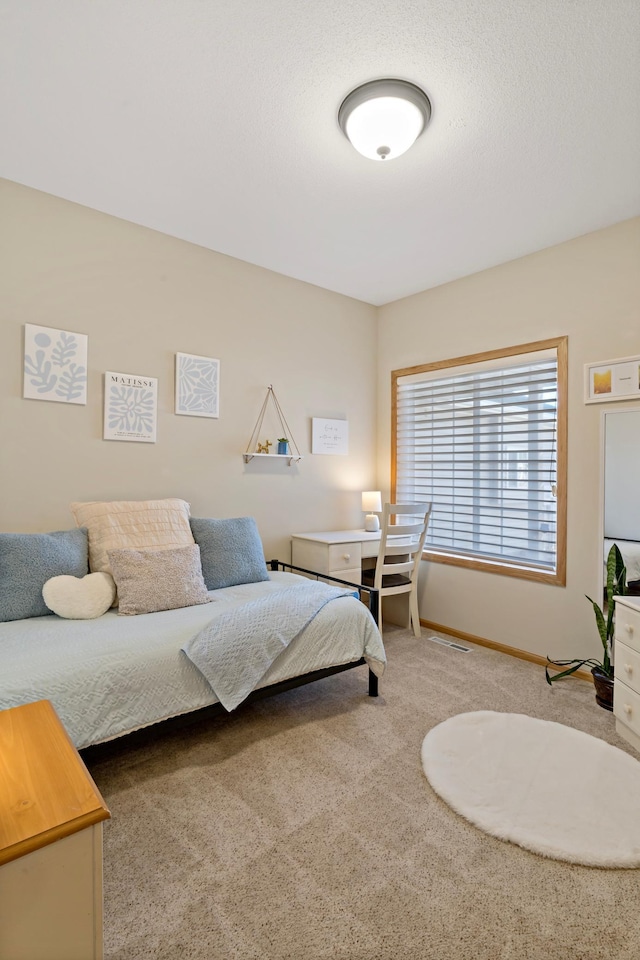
(283, 445)
(601, 670)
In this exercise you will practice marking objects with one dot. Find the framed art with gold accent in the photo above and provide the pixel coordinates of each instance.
(612, 380)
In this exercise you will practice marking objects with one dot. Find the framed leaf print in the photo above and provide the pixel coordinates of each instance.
(55, 364)
(197, 385)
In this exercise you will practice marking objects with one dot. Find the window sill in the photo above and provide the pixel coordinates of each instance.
(556, 578)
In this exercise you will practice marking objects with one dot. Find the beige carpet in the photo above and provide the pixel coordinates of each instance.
(303, 827)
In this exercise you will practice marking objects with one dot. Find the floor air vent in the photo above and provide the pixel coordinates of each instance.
(451, 643)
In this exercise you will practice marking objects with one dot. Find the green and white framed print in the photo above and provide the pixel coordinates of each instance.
(55, 364)
(130, 407)
(197, 385)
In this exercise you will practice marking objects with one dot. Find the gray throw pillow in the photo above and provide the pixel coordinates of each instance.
(153, 580)
(230, 550)
(28, 560)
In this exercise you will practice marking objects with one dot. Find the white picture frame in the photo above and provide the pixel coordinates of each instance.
(612, 380)
(197, 386)
(54, 364)
(329, 436)
(130, 407)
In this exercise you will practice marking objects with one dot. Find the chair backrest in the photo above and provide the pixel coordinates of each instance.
(403, 531)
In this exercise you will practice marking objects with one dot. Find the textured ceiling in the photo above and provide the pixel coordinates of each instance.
(216, 122)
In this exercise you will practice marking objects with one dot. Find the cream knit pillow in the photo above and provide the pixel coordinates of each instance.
(139, 524)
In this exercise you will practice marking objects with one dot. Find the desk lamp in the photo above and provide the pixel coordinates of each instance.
(371, 504)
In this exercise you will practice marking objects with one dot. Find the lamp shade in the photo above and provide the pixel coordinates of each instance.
(372, 501)
(383, 118)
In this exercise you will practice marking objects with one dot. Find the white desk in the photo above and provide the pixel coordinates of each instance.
(336, 553)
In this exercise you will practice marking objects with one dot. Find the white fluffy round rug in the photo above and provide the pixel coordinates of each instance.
(549, 788)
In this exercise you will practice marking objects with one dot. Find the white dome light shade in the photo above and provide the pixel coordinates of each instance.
(385, 128)
(383, 118)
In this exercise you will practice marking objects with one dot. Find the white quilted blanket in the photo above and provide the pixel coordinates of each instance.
(235, 651)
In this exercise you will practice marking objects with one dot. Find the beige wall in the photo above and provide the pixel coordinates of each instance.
(588, 289)
(141, 297)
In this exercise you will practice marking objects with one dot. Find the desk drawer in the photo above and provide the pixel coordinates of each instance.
(333, 559)
(626, 705)
(627, 665)
(344, 556)
(628, 626)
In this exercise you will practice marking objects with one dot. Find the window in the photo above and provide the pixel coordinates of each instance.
(483, 438)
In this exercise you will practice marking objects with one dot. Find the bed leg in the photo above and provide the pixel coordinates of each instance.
(373, 684)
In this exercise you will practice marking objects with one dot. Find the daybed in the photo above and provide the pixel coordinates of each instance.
(114, 674)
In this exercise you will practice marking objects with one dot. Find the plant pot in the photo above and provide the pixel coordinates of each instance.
(283, 447)
(604, 688)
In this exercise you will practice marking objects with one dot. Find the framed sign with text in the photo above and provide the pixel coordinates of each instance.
(329, 436)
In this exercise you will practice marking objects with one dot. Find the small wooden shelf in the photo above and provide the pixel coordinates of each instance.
(291, 457)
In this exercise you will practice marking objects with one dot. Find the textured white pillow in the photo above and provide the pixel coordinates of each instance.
(132, 524)
(80, 598)
(152, 580)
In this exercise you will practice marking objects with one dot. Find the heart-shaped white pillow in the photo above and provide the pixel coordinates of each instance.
(80, 598)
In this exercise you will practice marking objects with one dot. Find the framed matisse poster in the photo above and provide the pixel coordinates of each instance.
(612, 380)
(130, 407)
(197, 385)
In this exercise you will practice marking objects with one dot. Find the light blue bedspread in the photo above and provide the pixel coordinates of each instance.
(109, 676)
(235, 651)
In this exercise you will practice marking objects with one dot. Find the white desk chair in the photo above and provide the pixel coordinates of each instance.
(398, 564)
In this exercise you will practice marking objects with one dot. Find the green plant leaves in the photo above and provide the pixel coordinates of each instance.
(616, 586)
(573, 666)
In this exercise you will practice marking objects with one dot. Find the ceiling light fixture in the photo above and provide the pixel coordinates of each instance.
(383, 118)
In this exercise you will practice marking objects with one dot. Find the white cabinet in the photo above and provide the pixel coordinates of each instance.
(626, 688)
(50, 842)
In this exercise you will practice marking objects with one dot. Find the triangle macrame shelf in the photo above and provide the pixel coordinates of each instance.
(257, 449)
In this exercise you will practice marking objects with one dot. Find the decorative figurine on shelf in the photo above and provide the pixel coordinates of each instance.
(283, 446)
(264, 447)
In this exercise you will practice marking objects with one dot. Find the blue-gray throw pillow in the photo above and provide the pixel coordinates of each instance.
(28, 560)
(230, 550)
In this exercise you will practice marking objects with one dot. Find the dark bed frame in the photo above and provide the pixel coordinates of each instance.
(368, 595)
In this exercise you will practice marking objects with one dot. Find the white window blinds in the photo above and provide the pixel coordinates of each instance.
(479, 442)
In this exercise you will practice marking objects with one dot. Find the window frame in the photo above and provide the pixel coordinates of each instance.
(503, 567)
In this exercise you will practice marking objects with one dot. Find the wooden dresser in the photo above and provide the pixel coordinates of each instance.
(51, 817)
(626, 687)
